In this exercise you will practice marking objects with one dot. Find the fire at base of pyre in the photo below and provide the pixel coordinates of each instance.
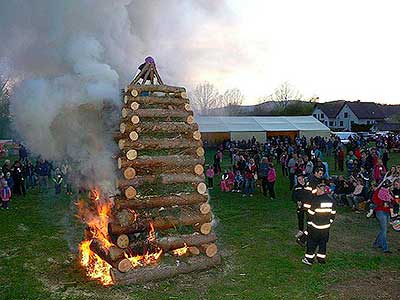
(97, 247)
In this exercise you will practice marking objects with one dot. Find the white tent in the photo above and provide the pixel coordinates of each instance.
(237, 128)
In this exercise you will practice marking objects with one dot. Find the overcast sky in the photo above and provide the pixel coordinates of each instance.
(342, 49)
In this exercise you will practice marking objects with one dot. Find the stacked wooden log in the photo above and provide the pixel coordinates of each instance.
(161, 187)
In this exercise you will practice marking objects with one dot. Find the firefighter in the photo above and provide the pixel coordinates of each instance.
(301, 195)
(320, 217)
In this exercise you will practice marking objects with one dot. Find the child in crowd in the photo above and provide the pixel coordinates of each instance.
(225, 182)
(387, 197)
(356, 196)
(5, 194)
(10, 181)
(238, 182)
(271, 178)
(210, 177)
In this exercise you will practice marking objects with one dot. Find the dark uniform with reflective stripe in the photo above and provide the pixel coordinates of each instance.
(320, 217)
(301, 194)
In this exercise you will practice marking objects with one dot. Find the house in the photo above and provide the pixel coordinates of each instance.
(327, 112)
(357, 112)
(341, 115)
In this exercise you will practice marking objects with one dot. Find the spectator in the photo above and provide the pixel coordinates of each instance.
(271, 178)
(225, 182)
(58, 179)
(5, 194)
(10, 181)
(250, 177)
(356, 196)
(238, 182)
(210, 177)
(263, 172)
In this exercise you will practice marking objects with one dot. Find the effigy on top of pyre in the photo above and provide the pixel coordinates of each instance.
(160, 223)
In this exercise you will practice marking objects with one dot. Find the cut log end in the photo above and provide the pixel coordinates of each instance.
(198, 169)
(184, 95)
(129, 173)
(200, 151)
(119, 163)
(124, 265)
(205, 208)
(130, 192)
(197, 135)
(134, 93)
(135, 120)
(210, 249)
(202, 188)
(194, 250)
(134, 136)
(187, 107)
(131, 154)
(135, 106)
(190, 120)
(125, 98)
(124, 112)
(123, 241)
(205, 228)
(121, 144)
(122, 127)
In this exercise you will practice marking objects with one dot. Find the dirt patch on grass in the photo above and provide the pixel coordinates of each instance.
(375, 285)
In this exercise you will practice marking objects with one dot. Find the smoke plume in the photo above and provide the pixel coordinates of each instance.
(68, 58)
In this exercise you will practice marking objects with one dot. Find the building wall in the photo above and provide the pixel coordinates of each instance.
(238, 136)
(323, 118)
(346, 117)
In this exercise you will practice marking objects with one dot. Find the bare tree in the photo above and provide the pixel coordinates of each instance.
(205, 97)
(283, 95)
(231, 101)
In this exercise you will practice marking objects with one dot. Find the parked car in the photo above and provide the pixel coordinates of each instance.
(344, 136)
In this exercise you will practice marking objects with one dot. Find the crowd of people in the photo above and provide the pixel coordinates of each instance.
(23, 175)
(366, 181)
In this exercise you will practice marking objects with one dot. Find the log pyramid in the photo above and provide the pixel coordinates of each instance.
(161, 184)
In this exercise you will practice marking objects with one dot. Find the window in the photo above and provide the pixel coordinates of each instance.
(330, 123)
(326, 123)
(352, 122)
(346, 115)
(341, 123)
(315, 115)
(322, 116)
(368, 122)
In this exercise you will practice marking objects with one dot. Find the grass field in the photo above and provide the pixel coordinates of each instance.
(39, 235)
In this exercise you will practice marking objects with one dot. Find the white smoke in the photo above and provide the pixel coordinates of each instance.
(63, 54)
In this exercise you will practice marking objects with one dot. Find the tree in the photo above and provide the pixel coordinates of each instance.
(205, 98)
(231, 101)
(283, 95)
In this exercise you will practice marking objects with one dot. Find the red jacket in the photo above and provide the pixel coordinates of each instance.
(379, 203)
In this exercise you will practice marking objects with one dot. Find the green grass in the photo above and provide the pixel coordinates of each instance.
(39, 236)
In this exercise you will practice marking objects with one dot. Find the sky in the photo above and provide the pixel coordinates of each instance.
(342, 49)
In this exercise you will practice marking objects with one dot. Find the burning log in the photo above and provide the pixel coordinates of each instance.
(174, 242)
(146, 274)
(159, 101)
(165, 163)
(161, 201)
(162, 223)
(104, 253)
(159, 144)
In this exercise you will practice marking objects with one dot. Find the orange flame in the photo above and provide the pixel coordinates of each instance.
(96, 268)
(144, 260)
(152, 234)
(181, 251)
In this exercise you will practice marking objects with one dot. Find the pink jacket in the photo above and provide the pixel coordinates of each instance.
(5, 193)
(385, 195)
(210, 173)
(271, 175)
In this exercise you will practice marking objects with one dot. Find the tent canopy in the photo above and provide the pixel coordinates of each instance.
(259, 124)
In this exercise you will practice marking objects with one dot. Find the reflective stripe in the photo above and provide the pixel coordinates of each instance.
(323, 210)
(306, 205)
(314, 191)
(333, 212)
(309, 255)
(321, 255)
(326, 204)
(298, 188)
(308, 188)
(306, 232)
(331, 220)
(311, 212)
(319, 226)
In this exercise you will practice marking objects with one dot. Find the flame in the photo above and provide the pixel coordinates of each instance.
(96, 268)
(181, 251)
(144, 260)
(97, 215)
